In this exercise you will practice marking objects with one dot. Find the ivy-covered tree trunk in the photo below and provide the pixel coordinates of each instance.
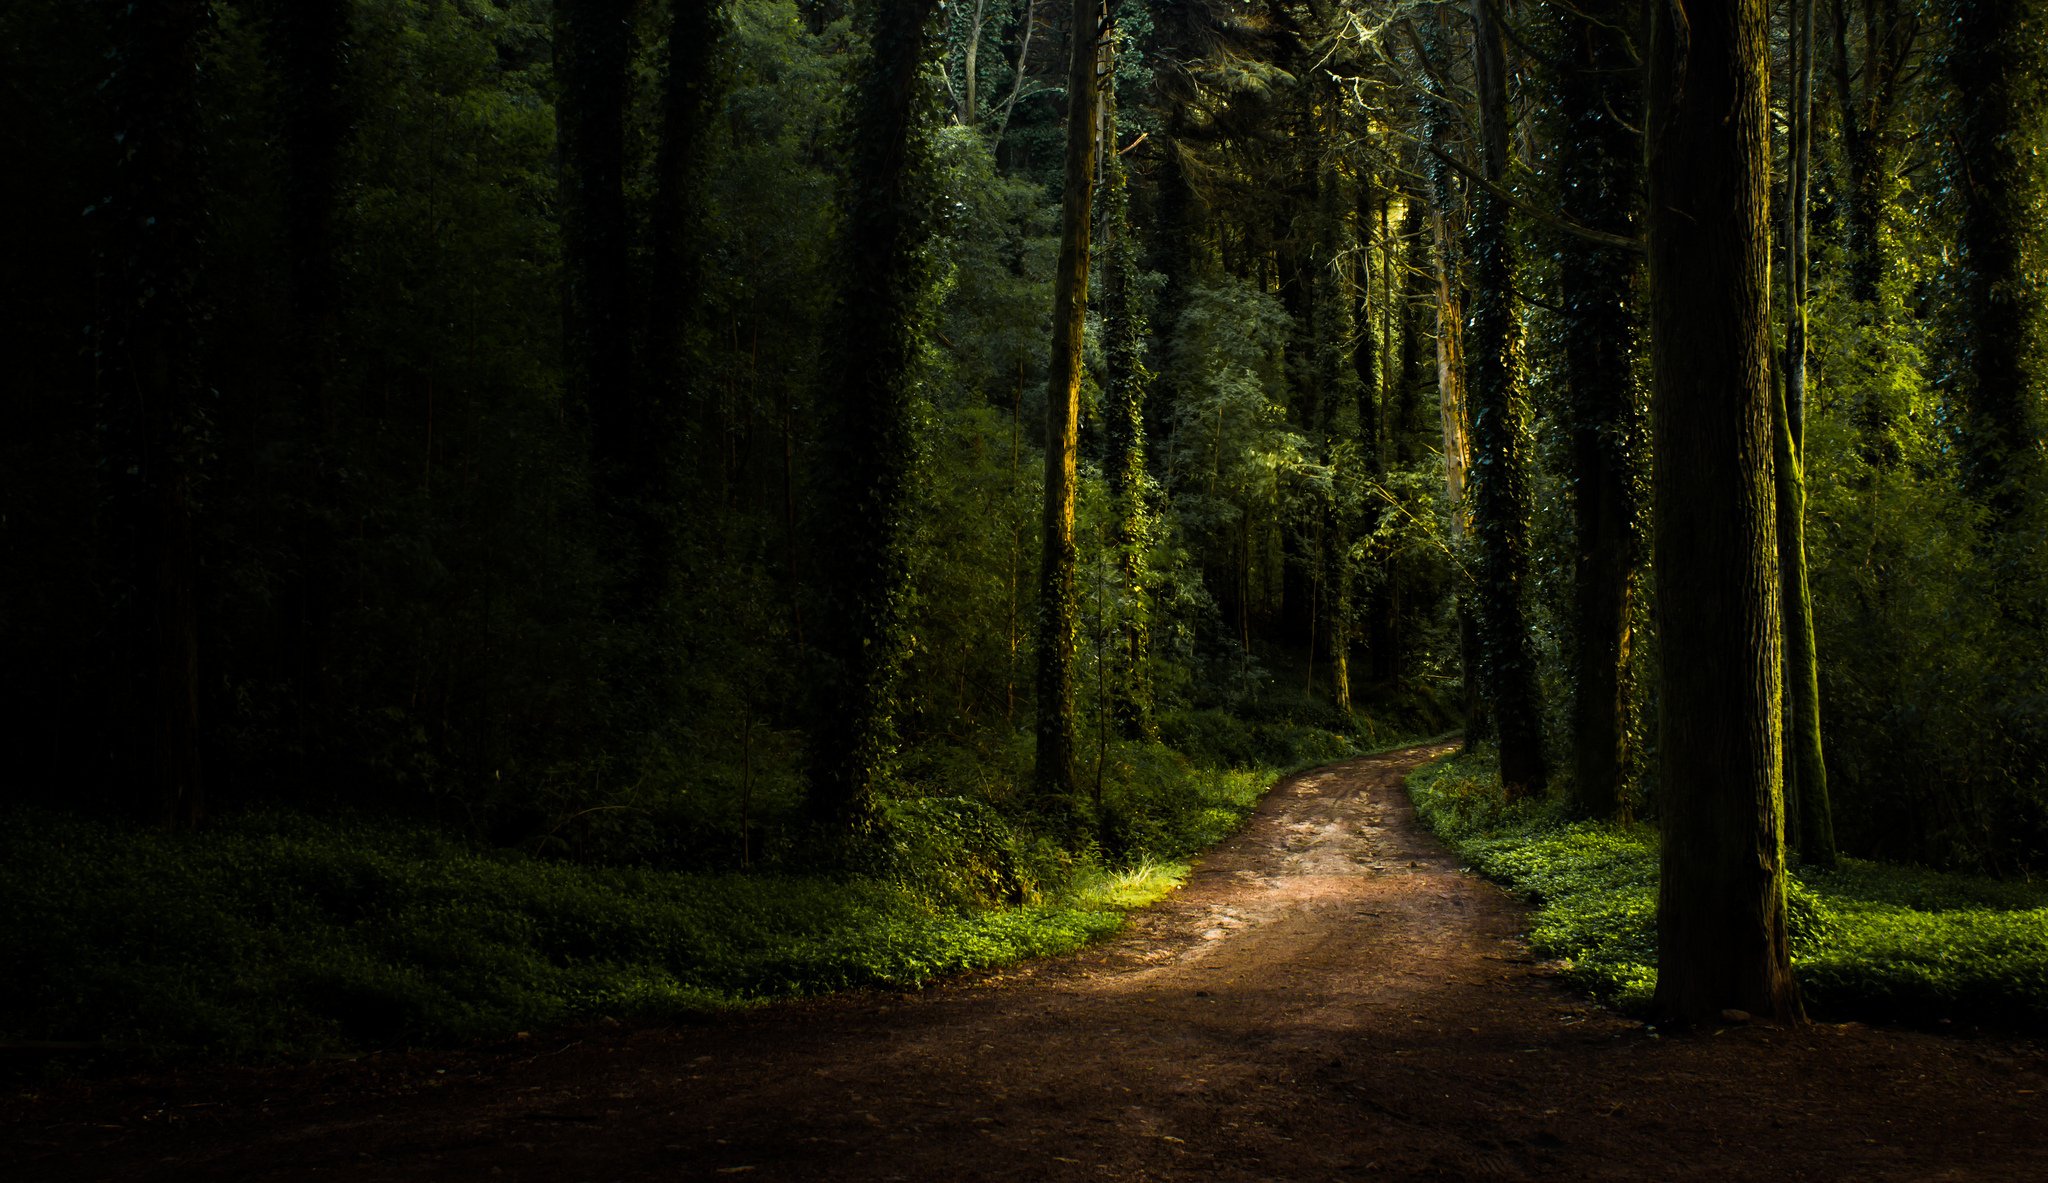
(151, 383)
(1054, 775)
(1999, 62)
(1500, 511)
(1721, 939)
(1599, 164)
(1808, 815)
(1128, 380)
(867, 442)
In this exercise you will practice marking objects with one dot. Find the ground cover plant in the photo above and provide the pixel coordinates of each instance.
(1869, 939)
(287, 933)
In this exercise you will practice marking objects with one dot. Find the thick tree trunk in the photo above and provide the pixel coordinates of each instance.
(1721, 939)
(866, 440)
(2000, 67)
(1808, 816)
(1600, 166)
(1500, 515)
(1054, 774)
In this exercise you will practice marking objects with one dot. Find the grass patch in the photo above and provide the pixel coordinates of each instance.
(1869, 940)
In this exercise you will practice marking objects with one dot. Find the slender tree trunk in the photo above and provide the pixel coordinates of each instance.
(1599, 163)
(1721, 939)
(1500, 515)
(867, 444)
(1056, 595)
(1128, 380)
(1808, 815)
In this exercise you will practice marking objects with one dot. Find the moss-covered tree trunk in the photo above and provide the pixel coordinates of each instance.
(1809, 819)
(1600, 177)
(1054, 776)
(1500, 511)
(868, 419)
(1128, 381)
(1439, 125)
(1721, 938)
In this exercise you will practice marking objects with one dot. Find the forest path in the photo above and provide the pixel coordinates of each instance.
(1329, 997)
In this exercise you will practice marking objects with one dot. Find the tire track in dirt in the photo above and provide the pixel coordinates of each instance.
(1329, 997)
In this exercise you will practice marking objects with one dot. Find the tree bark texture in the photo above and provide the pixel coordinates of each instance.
(1500, 512)
(1721, 940)
(867, 440)
(1600, 176)
(1057, 601)
(1999, 63)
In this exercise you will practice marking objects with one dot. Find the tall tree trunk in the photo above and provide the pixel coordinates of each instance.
(1337, 346)
(1500, 514)
(1128, 380)
(2000, 66)
(149, 373)
(1721, 939)
(867, 436)
(310, 47)
(1599, 175)
(1438, 126)
(687, 96)
(1056, 594)
(1809, 817)
(593, 40)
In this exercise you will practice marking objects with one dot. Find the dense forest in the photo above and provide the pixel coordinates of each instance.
(867, 442)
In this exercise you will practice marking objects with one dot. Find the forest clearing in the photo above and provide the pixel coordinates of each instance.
(882, 587)
(1328, 997)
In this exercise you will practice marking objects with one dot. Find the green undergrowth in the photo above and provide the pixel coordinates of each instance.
(279, 933)
(1869, 940)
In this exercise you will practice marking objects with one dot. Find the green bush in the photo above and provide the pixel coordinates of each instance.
(1869, 939)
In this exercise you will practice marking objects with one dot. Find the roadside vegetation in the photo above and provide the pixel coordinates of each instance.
(282, 933)
(1870, 940)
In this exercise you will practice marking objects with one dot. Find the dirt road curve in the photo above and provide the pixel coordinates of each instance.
(1328, 998)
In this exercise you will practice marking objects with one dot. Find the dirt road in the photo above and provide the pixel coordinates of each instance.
(1328, 998)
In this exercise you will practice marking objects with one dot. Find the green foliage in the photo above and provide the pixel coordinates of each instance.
(1868, 939)
(285, 934)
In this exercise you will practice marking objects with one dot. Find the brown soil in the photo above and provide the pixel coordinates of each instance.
(1328, 997)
